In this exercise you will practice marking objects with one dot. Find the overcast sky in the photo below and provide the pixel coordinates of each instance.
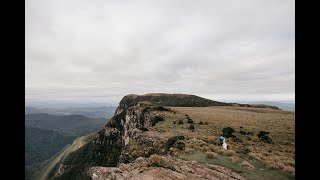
(99, 51)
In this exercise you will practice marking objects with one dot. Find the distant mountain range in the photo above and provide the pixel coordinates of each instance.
(70, 124)
(47, 134)
(91, 112)
(286, 106)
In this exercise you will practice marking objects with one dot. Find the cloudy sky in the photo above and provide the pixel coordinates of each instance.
(99, 51)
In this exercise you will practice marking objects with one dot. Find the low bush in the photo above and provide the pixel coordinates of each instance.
(211, 154)
(228, 132)
(158, 161)
(247, 165)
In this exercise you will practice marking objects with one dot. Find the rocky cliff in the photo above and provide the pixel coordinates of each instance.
(125, 138)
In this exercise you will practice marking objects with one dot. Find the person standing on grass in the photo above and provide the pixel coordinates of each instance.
(221, 140)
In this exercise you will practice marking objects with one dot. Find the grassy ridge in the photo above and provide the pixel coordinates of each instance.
(176, 100)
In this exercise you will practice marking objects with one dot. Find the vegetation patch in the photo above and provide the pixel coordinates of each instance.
(228, 132)
(263, 136)
(160, 108)
(189, 120)
(211, 155)
(157, 119)
(237, 139)
(246, 132)
(171, 141)
(191, 126)
(158, 161)
(247, 165)
(179, 145)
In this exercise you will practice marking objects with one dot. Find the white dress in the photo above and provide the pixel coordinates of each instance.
(224, 145)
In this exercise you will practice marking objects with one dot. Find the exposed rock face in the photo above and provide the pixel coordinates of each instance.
(134, 115)
(142, 169)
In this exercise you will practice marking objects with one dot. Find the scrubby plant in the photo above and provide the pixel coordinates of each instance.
(191, 126)
(157, 119)
(247, 165)
(211, 154)
(229, 153)
(180, 121)
(245, 150)
(263, 136)
(189, 120)
(158, 161)
(228, 132)
(171, 141)
(179, 145)
(200, 123)
(237, 139)
(246, 132)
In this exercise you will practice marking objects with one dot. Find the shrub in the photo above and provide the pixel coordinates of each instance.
(220, 151)
(236, 139)
(263, 136)
(158, 161)
(180, 121)
(211, 154)
(191, 126)
(160, 108)
(247, 165)
(179, 145)
(234, 158)
(174, 122)
(227, 132)
(215, 149)
(245, 150)
(156, 119)
(289, 169)
(246, 132)
(200, 123)
(188, 150)
(230, 153)
(171, 141)
(190, 121)
(206, 123)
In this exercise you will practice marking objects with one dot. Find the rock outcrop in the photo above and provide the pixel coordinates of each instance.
(129, 125)
(143, 169)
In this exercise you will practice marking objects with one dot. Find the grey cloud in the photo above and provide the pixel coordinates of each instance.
(102, 50)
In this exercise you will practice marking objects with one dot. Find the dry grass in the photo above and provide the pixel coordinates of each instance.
(158, 161)
(155, 159)
(234, 159)
(211, 155)
(247, 165)
(230, 153)
(220, 151)
(281, 125)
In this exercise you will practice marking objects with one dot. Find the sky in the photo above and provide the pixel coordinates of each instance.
(81, 51)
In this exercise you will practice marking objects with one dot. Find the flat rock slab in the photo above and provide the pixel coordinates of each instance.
(141, 169)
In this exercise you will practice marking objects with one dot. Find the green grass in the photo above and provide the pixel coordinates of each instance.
(260, 173)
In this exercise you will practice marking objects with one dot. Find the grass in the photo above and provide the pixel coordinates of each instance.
(259, 173)
(247, 165)
(211, 154)
(158, 161)
(276, 159)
